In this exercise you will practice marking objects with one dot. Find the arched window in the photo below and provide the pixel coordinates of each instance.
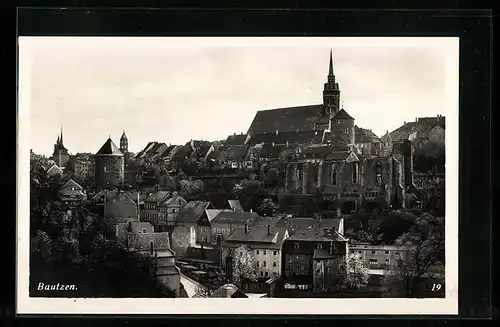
(378, 174)
(355, 172)
(333, 175)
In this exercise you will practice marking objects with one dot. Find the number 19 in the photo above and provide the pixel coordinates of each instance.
(436, 287)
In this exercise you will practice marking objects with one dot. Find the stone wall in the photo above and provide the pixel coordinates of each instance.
(339, 127)
(109, 170)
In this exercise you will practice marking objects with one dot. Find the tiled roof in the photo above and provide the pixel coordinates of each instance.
(161, 242)
(228, 290)
(342, 114)
(271, 152)
(364, 135)
(167, 151)
(235, 205)
(175, 197)
(71, 184)
(201, 151)
(299, 224)
(422, 126)
(234, 217)
(157, 196)
(54, 169)
(109, 148)
(316, 234)
(193, 211)
(212, 213)
(233, 152)
(293, 137)
(303, 118)
(257, 236)
(236, 139)
(108, 194)
(182, 152)
(133, 195)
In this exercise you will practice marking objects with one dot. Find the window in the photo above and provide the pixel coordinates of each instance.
(257, 252)
(274, 264)
(360, 252)
(386, 252)
(378, 174)
(298, 267)
(151, 247)
(386, 260)
(338, 121)
(262, 274)
(319, 246)
(373, 252)
(333, 175)
(355, 172)
(266, 274)
(264, 264)
(317, 271)
(257, 264)
(296, 246)
(275, 252)
(144, 230)
(265, 252)
(373, 261)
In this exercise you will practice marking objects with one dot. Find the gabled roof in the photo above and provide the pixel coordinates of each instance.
(234, 217)
(71, 184)
(235, 205)
(269, 151)
(300, 224)
(109, 148)
(233, 152)
(175, 197)
(182, 152)
(108, 194)
(302, 118)
(157, 196)
(193, 211)
(342, 114)
(54, 169)
(257, 237)
(236, 139)
(201, 151)
(364, 135)
(212, 213)
(228, 290)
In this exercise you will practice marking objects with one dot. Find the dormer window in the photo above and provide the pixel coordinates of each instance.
(296, 246)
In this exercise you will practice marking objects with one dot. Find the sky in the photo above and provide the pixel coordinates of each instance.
(173, 90)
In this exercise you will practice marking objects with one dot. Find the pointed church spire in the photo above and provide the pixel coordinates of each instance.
(61, 140)
(330, 69)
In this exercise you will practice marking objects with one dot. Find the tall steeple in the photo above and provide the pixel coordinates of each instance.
(330, 69)
(61, 140)
(124, 143)
(331, 92)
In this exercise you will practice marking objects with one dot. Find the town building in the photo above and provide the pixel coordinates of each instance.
(161, 209)
(237, 139)
(109, 166)
(140, 238)
(71, 191)
(60, 155)
(54, 171)
(421, 130)
(378, 257)
(225, 222)
(313, 254)
(116, 206)
(194, 214)
(265, 242)
(84, 166)
(228, 291)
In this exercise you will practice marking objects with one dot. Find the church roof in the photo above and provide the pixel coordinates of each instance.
(342, 114)
(109, 148)
(291, 119)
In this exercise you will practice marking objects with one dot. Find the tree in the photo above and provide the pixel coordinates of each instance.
(430, 157)
(249, 193)
(267, 207)
(424, 256)
(191, 188)
(357, 275)
(242, 266)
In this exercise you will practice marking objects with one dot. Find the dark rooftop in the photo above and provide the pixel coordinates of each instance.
(109, 148)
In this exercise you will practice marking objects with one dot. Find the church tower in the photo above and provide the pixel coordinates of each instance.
(331, 93)
(124, 143)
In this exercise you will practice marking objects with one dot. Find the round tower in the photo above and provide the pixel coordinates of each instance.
(109, 166)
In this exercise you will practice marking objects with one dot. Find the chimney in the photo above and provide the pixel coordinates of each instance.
(246, 227)
(227, 289)
(404, 123)
(234, 134)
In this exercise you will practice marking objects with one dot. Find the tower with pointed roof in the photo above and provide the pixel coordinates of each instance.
(331, 92)
(109, 166)
(124, 143)
(60, 154)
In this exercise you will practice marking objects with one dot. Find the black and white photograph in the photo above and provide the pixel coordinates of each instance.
(169, 174)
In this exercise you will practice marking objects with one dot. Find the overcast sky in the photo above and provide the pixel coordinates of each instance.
(173, 90)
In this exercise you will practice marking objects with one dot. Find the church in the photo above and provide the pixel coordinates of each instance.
(61, 155)
(331, 161)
